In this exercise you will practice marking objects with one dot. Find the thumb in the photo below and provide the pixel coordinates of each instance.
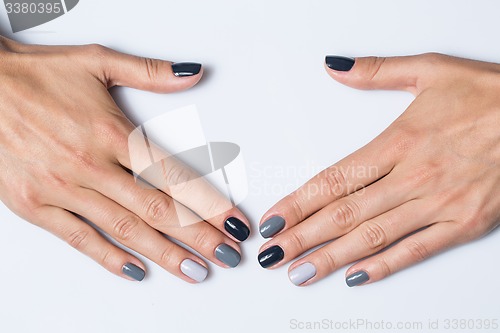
(119, 69)
(394, 73)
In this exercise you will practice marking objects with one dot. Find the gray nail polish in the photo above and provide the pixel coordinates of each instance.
(228, 255)
(194, 270)
(357, 278)
(133, 271)
(302, 273)
(272, 226)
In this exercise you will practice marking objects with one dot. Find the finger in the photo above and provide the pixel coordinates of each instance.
(408, 73)
(340, 217)
(119, 69)
(408, 252)
(159, 211)
(370, 237)
(187, 188)
(88, 241)
(352, 173)
(129, 230)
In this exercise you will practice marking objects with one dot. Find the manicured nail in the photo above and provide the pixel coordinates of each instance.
(271, 256)
(228, 255)
(302, 273)
(238, 229)
(355, 279)
(133, 271)
(272, 226)
(342, 64)
(194, 270)
(181, 69)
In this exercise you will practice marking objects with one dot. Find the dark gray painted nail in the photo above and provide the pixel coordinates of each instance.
(355, 279)
(272, 226)
(181, 69)
(133, 271)
(227, 255)
(337, 63)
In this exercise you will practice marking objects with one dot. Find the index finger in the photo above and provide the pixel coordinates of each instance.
(349, 175)
(188, 188)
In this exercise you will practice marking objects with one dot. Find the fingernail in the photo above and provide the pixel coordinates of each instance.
(272, 226)
(194, 270)
(238, 229)
(182, 69)
(271, 256)
(227, 255)
(355, 279)
(342, 64)
(302, 273)
(133, 271)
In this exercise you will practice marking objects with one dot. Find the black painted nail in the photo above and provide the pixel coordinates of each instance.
(355, 279)
(342, 64)
(271, 256)
(238, 229)
(182, 69)
(133, 271)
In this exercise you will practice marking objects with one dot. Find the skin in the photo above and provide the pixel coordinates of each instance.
(64, 151)
(431, 179)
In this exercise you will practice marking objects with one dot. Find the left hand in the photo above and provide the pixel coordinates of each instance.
(431, 179)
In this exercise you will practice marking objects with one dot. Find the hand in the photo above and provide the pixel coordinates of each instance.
(64, 151)
(431, 180)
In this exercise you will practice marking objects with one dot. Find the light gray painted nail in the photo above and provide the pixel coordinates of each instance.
(133, 271)
(272, 226)
(194, 270)
(227, 255)
(357, 278)
(302, 273)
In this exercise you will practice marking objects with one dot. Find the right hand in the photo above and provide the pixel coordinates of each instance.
(64, 151)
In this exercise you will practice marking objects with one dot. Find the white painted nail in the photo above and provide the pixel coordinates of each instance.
(302, 273)
(194, 270)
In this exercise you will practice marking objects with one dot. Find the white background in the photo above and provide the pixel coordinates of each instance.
(266, 90)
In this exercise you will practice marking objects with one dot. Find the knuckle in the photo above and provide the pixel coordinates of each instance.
(126, 228)
(374, 236)
(335, 182)
(432, 58)
(385, 269)
(152, 67)
(417, 250)
(112, 132)
(157, 208)
(297, 241)
(166, 257)
(375, 64)
(27, 200)
(329, 260)
(202, 239)
(96, 50)
(178, 176)
(345, 215)
(85, 160)
(423, 174)
(107, 259)
(403, 139)
(297, 208)
(78, 239)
